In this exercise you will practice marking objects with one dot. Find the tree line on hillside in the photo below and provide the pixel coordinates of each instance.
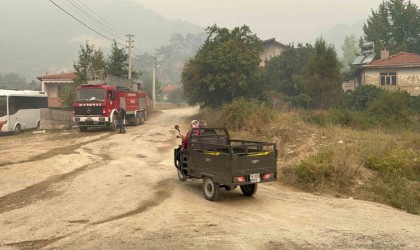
(15, 81)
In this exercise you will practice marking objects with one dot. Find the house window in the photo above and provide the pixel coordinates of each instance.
(389, 78)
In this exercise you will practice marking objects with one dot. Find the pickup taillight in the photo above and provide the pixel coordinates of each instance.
(268, 176)
(239, 179)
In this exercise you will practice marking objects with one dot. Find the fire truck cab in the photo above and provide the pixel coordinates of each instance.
(96, 103)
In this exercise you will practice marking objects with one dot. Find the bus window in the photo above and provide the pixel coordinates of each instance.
(3, 106)
(12, 105)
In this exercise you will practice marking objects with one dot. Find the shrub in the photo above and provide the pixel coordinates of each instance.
(244, 114)
(322, 170)
(394, 190)
(391, 109)
(360, 99)
(396, 161)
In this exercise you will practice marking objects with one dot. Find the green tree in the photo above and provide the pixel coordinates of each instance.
(350, 50)
(280, 72)
(148, 86)
(224, 67)
(395, 25)
(90, 64)
(173, 56)
(323, 79)
(118, 63)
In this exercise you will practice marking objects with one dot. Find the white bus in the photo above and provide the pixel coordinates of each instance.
(20, 109)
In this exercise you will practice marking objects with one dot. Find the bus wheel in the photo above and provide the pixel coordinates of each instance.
(18, 129)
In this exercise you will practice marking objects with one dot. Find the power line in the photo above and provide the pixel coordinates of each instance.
(87, 26)
(116, 29)
(113, 28)
(84, 16)
(89, 16)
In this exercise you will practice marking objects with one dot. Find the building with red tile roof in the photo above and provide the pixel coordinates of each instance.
(52, 85)
(399, 72)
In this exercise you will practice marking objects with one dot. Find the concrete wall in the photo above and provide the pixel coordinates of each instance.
(56, 119)
(407, 79)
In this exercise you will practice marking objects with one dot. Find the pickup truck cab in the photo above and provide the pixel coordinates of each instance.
(211, 155)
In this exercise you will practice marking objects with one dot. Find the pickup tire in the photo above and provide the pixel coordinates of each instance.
(249, 189)
(211, 190)
(181, 175)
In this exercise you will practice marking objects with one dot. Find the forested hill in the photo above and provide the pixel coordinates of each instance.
(37, 37)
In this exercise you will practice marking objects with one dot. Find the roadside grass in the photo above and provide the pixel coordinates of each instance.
(380, 164)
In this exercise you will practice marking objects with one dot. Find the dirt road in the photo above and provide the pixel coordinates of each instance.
(102, 190)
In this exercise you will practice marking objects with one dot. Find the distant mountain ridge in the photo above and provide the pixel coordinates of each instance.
(336, 34)
(37, 37)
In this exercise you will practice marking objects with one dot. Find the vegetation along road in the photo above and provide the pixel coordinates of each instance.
(103, 190)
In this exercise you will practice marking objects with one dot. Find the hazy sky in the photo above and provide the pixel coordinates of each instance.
(287, 20)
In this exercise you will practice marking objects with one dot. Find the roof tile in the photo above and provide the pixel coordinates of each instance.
(62, 76)
(401, 59)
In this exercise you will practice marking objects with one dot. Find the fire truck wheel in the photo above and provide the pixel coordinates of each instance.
(113, 125)
(141, 118)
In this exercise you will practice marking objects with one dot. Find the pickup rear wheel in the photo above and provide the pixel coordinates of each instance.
(249, 190)
(211, 190)
(181, 175)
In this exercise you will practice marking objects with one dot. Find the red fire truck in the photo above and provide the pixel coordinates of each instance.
(96, 103)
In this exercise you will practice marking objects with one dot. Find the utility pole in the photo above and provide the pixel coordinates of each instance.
(129, 54)
(154, 82)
